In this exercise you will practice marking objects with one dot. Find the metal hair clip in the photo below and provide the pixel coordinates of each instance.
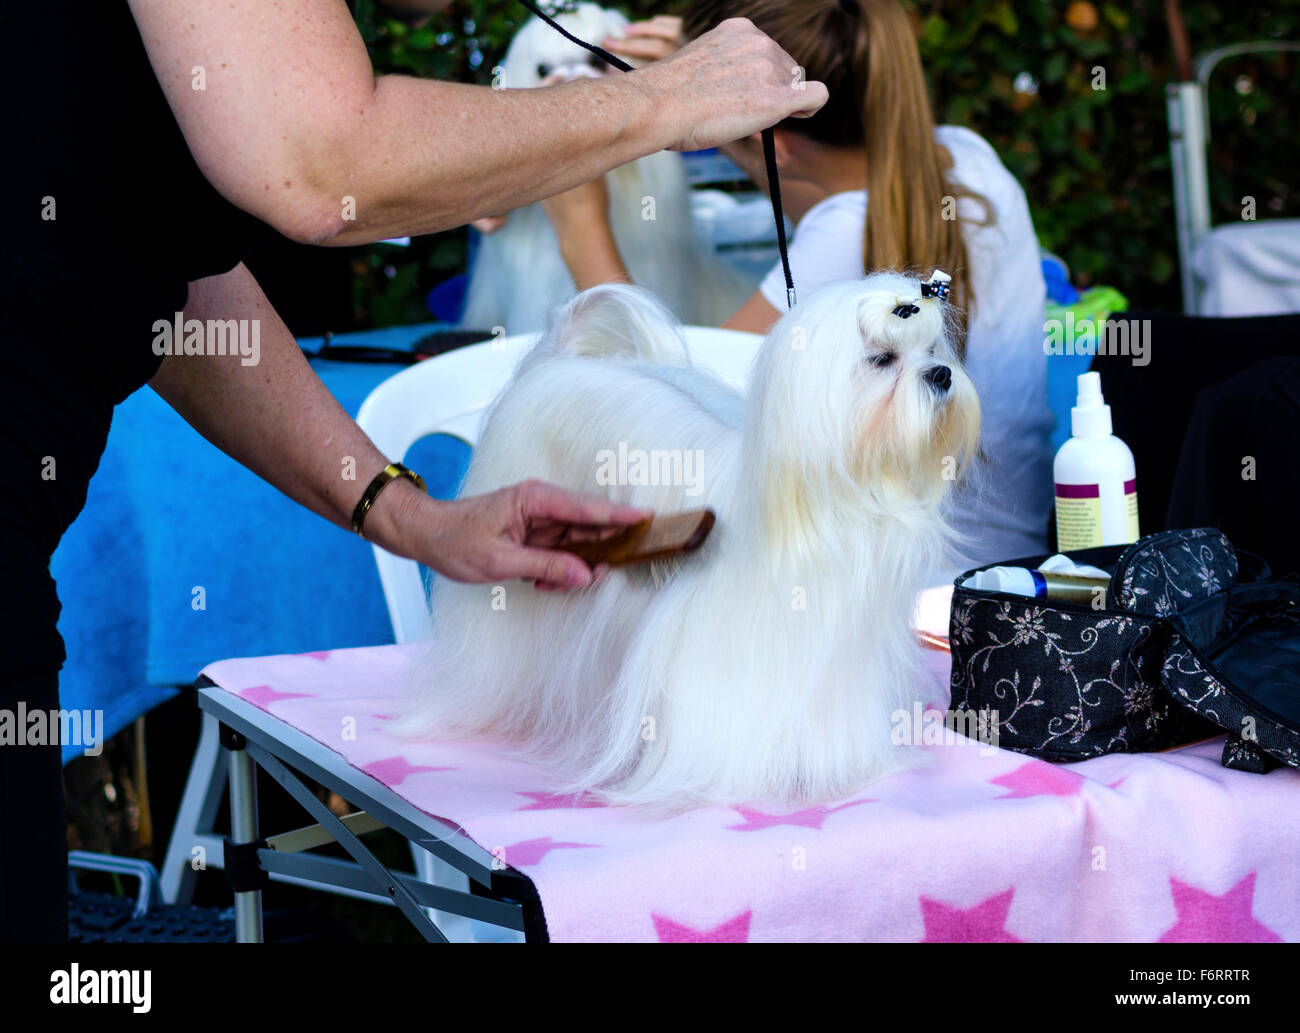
(937, 286)
(906, 307)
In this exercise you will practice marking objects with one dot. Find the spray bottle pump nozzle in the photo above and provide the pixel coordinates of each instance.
(1090, 417)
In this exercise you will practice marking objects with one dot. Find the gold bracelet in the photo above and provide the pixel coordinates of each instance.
(389, 473)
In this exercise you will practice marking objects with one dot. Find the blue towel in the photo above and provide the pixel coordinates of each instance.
(182, 557)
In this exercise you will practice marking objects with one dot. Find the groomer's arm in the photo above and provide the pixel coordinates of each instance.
(278, 419)
(291, 121)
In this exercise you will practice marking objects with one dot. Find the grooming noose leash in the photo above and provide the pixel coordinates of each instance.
(769, 146)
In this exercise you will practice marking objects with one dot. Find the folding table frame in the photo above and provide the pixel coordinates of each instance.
(498, 895)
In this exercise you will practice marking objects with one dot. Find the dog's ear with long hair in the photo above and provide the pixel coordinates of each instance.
(615, 320)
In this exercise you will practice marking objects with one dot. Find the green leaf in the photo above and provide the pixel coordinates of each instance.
(1004, 17)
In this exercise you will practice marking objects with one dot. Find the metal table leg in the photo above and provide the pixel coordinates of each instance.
(243, 829)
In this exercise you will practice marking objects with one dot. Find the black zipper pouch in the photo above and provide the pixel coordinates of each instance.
(1193, 640)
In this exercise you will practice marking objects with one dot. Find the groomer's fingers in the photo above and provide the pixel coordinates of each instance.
(558, 573)
(550, 569)
(509, 534)
(731, 81)
(542, 502)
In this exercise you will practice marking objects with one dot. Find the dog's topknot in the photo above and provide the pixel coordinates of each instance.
(926, 322)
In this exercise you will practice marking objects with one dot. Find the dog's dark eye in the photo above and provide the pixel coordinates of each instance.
(543, 71)
(883, 359)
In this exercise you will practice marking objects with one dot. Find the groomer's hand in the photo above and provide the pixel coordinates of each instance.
(729, 82)
(508, 534)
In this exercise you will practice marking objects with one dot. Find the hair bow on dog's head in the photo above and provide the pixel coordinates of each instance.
(937, 286)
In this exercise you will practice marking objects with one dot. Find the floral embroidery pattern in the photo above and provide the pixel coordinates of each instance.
(1202, 691)
(1163, 569)
(1064, 685)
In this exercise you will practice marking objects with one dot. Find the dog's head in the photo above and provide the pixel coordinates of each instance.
(538, 53)
(858, 389)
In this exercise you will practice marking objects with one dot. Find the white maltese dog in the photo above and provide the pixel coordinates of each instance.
(519, 275)
(766, 665)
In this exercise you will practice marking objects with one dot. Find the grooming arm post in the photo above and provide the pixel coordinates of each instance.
(1191, 184)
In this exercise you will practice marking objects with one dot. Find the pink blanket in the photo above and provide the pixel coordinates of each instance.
(979, 845)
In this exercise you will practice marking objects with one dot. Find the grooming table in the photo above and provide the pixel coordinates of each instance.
(976, 844)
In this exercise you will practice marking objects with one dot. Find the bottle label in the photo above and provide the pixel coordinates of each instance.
(1078, 516)
(1131, 508)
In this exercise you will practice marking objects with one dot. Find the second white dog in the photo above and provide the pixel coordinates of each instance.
(768, 664)
(519, 276)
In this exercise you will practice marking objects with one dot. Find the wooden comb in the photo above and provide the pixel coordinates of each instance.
(659, 537)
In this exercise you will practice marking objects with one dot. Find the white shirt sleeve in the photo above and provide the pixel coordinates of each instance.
(827, 248)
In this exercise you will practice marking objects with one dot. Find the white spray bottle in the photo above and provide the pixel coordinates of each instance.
(1096, 482)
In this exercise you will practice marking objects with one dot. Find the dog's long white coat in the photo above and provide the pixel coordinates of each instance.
(768, 664)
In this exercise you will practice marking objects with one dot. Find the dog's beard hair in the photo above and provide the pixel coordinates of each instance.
(768, 665)
(519, 275)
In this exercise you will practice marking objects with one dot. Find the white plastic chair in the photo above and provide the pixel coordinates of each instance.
(450, 394)
(1206, 252)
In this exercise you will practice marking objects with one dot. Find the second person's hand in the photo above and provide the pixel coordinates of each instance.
(652, 40)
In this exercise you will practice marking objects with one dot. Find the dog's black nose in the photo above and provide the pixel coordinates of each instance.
(938, 377)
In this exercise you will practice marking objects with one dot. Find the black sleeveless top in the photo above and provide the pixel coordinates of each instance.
(106, 219)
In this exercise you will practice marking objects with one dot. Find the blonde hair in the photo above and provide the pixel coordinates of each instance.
(865, 52)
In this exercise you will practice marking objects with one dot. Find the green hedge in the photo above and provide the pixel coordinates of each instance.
(1094, 162)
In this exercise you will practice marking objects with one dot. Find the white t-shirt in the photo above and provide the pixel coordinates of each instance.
(1003, 507)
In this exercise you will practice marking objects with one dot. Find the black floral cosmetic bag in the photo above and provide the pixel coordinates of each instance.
(1191, 640)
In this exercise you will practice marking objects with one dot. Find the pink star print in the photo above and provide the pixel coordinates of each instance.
(551, 802)
(812, 818)
(393, 770)
(1203, 917)
(1038, 778)
(532, 851)
(983, 923)
(261, 695)
(733, 930)
(319, 654)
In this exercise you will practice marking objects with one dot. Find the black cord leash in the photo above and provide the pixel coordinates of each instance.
(769, 146)
(774, 192)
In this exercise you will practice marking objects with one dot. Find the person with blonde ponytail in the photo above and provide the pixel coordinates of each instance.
(871, 184)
